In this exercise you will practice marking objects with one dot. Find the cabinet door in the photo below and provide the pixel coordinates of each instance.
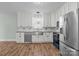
(72, 6)
(51, 37)
(47, 20)
(34, 38)
(48, 37)
(41, 38)
(65, 8)
(53, 20)
(44, 37)
(20, 37)
(17, 37)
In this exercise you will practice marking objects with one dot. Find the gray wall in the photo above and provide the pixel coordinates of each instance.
(7, 26)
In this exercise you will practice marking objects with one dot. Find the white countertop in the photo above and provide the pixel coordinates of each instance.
(33, 30)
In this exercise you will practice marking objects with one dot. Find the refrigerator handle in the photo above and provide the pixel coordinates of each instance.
(64, 38)
(64, 29)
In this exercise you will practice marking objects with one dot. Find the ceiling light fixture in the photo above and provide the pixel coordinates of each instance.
(37, 12)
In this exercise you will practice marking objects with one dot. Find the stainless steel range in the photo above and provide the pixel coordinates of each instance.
(69, 45)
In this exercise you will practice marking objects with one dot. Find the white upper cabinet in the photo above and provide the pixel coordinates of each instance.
(64, 9)
(50, 20)
(53, 20)
(78, 5)
(72, 6)
(47, 20)
(24, 19)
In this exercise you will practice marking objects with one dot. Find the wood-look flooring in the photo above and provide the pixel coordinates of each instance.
(27, 49)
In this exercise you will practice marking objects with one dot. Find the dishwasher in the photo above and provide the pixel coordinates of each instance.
(27, 37)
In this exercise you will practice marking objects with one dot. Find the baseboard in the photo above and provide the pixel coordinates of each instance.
(7, 39)
(21, 42)
(37, 42)
(13, 40)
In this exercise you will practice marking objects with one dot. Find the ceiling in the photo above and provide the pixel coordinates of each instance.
(30, 6)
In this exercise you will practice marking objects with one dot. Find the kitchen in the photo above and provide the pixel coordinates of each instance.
(38, 26)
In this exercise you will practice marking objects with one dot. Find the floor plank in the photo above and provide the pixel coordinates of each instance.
(27, 49)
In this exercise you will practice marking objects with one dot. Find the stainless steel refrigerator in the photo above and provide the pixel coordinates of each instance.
(69, 45)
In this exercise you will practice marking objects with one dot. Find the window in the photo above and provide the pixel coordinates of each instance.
(37, 21)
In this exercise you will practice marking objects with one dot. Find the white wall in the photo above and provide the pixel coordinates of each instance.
(7, 26)
(24, 18)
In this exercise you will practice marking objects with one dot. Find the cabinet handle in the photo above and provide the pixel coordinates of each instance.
(64, 38)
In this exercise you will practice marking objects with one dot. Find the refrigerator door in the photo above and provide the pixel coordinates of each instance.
(70, 29)
(67, 51)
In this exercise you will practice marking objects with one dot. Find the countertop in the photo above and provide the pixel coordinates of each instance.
(32, 31)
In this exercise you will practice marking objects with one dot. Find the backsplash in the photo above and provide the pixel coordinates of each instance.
(24, 27)
(30, 28)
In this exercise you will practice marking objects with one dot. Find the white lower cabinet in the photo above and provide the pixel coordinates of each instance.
(20, 37)
(41, 38)
(46, 37)
(51, 37)
(37, 38)
(34, 38)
